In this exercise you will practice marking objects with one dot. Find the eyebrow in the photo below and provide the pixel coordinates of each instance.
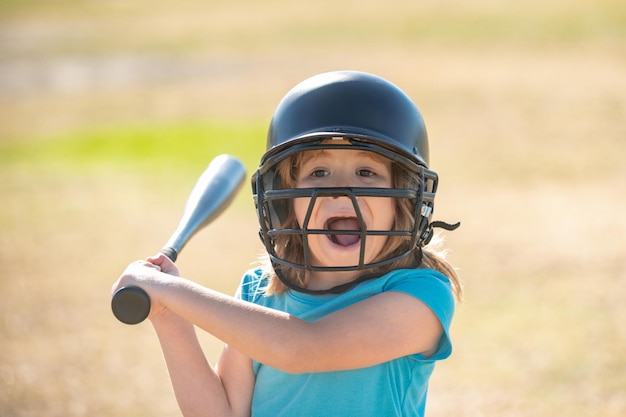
(310, 154)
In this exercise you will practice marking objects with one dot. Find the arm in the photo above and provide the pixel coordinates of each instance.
(378, 329)
(200, 389)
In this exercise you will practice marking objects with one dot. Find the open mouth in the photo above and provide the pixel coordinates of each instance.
(344, 223)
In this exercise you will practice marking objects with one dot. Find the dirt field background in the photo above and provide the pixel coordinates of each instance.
(525, 106)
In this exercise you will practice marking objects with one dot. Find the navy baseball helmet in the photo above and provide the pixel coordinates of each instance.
(349, 104)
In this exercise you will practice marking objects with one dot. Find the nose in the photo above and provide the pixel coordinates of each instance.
(341, 181)
(341, 178)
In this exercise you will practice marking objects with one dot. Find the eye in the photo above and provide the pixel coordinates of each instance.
(365, 172)
(319, 173)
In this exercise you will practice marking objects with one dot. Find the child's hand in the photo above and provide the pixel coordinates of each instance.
(149, 275)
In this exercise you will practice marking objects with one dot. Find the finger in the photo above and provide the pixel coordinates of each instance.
(146, 264)
(157, 259)
(164, 263)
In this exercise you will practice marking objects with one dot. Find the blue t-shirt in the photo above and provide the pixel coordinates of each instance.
(394, 388)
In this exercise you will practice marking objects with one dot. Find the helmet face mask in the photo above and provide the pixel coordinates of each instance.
(344, 110)
(274, 203)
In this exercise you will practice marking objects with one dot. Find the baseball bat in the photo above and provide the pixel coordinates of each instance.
(213, 192)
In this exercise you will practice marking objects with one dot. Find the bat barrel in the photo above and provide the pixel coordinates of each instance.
(213, 192)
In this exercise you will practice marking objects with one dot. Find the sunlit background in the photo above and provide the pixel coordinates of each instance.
(110, 110)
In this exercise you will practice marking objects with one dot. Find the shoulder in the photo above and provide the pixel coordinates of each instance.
(417, 280)
(420, 274)
(429, 286)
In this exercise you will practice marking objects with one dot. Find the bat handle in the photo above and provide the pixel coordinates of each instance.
(131, 305)
(170, 252)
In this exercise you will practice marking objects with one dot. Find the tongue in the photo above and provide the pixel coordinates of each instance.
(344, 224)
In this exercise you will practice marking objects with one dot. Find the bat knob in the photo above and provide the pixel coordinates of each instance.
(130, 305)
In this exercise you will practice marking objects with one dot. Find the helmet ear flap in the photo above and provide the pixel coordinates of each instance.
(430, 181)
(428, 188)
(426, 232)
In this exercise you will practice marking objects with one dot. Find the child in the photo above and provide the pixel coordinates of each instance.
(350, 311)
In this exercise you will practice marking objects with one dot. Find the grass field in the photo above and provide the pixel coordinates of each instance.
(109, 112)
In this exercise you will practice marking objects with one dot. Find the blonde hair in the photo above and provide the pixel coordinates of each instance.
(291, 246)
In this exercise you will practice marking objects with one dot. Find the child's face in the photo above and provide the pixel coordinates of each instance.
(344, 168)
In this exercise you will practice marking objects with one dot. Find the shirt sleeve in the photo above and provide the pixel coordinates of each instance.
(433, 289)
(251, 286)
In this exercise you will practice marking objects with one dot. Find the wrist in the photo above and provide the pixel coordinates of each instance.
(168, 321)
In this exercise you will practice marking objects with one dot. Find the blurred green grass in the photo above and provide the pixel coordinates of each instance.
(183, 147)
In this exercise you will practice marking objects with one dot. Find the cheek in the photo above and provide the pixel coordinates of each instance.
(386, 209)
(300, 207)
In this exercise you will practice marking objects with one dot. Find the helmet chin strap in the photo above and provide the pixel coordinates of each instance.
(437, 223)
